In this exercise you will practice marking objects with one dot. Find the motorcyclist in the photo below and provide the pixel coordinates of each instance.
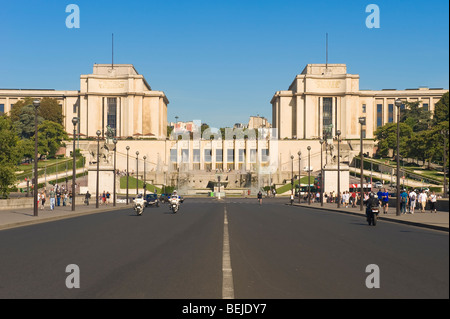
(139, 200)
(372, 202)
(175, 198)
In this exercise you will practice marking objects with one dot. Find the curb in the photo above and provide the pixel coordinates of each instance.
(55, 218)
(411, 223)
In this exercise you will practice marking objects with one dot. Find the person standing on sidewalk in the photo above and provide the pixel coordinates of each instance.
(422, 201)
(385, 200)
(403, 201)
(433, 201)
(52, 199)
(412, 201)
(86, 198)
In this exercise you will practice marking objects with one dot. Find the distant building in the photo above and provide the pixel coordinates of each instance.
(116, 96)
(258, 122)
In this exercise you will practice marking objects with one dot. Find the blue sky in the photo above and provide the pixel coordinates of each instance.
(222, 61)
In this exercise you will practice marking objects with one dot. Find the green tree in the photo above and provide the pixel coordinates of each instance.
(386, 137)
(50, 137)
(49, 109)
(9, 155)
(416, 116)
(25, 122)
(441, 110)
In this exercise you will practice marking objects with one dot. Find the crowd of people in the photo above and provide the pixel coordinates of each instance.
(58, 195)
(410, 200)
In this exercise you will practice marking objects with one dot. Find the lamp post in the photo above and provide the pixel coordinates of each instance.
(292, 176)
(309, 175)
(36, 104)
(115, 173)
(98, 168)
(445, 133)
(145, 184)
(398, 104)
(299, 174)
(74, 122)
(137, 173)
(338, 134)
(321, 171)
(362, 121)
(128, 170)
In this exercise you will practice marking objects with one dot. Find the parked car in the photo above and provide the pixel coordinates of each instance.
(378, 185)
(152, 200)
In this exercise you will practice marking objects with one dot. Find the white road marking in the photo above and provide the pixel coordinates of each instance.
(227, 284)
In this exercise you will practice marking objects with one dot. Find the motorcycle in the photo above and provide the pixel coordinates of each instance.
(174, 206)
(139, 208)
(373, 216)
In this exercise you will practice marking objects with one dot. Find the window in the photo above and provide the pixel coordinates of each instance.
(241, 154)
(75, 108)
(391, 113)
(379, 114)
(265, 155)
(185, 155)
(219, 155)
(230, 155)
(253, 156)
(173, 155)
(364, 108)
(425, 107)
(363, 133)
(112, 110)
(2, 109)
(208, 155)
(196, 156)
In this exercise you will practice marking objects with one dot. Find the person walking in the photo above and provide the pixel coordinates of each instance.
(43, 200)
(260, 198)
(422, 201)
(403, 201)
(86, 198)
(433, 202)
(52, 199)
(385, 200)
(412, 201)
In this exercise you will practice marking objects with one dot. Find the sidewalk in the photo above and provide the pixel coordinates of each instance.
(436, 221)
(24, 216)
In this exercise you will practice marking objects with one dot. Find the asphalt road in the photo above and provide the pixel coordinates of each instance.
(276, 252)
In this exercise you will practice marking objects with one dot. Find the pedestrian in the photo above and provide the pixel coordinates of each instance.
(433, 202)
(412, 201)
(70, 197)
(108, 195)
(403, 201)
(385, 200)
(58, 197)
(86, 198)
(52, 199)
(259, 197)
(43, 200)
(65, 197)
(39, 198)
(103, 198)
(292, 199)
(422, 201)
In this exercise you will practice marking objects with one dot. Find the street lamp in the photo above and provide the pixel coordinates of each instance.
(309, 175)
(36, 104)
(74, 122)
(398, 104)
(145, 185)
(338, 134)
(299, 174)
(98, 167)
(115, 172)
(444, 132)
(321, 171)
(137, 173)
(362, 121)
(128, 170)
(292, 175)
